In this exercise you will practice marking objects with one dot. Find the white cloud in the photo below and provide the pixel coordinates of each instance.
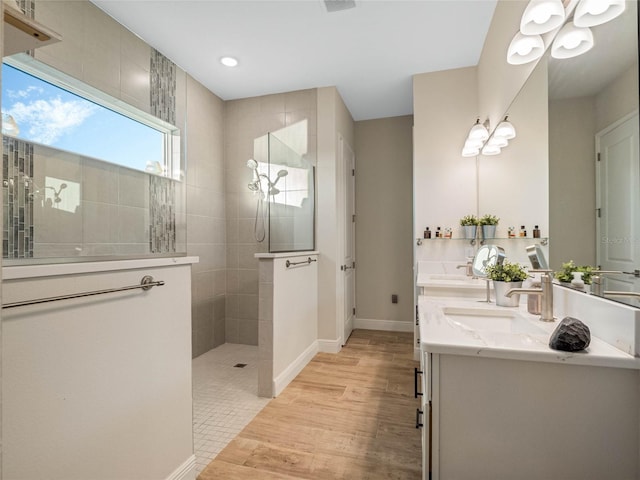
(48, 120)
(13, 94)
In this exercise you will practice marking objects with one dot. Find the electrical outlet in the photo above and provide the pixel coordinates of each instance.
(394, 298)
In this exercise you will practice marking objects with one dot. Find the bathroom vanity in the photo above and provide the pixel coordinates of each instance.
(498, 403)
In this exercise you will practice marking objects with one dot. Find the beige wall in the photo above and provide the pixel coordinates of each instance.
(102, 53)
(333, 120)
(572, 181)
(245, 121)
(384, 212)
(618, 99)
(445, 183)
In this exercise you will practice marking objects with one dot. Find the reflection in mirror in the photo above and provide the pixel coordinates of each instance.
(486, 256)
(593, 152)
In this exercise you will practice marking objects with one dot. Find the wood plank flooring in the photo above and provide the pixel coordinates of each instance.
(349, 415)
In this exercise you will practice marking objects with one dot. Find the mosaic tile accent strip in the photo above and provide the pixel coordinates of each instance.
(17, 172)
(162, 191)
(162, 231)
(29, 9)
(163, 87)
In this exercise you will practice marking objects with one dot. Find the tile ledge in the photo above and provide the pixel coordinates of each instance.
(34, 271)
(268, 256)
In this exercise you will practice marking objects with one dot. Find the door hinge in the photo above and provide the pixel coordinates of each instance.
(353, 264)
(354, 310)
(598, 157)
(599, 212)
(353, 218)
(353, 172)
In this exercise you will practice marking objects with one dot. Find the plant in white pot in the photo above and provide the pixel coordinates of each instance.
(469, 224)
(488, 224)
(506, 276)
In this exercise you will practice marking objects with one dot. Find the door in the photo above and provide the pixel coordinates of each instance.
(618, 196)
(349, 261)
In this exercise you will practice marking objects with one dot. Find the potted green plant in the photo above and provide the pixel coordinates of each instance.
(488, 224)
(506, 276)
(569, 270)
(469, 224)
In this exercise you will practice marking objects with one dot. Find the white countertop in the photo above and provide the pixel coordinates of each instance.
(441, 334)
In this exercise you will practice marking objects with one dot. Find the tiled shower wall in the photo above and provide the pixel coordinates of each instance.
(247, 120)
(102, 53)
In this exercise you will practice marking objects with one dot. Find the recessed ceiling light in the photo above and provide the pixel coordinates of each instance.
(229, 61)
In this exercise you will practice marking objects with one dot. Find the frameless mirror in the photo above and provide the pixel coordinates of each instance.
(487, 255)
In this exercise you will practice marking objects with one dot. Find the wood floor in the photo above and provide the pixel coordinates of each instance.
(349, 415)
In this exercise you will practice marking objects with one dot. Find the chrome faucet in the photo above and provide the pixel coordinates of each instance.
(597, 287)
(546, 292)
(468, 267)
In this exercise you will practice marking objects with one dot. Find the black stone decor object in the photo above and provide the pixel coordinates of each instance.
(571, 335)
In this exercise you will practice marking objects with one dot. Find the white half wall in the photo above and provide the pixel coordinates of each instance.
(97, 387)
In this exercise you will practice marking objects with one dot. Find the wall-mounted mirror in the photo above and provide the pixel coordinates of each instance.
(594, 207)
(594, 177)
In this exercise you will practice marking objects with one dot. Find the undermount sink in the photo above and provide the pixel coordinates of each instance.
(491, 320)
(449, 277)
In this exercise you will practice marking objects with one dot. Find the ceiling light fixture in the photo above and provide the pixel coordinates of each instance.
(572, 41)
(229, 61)
(590, 13)
(524, 49)
(542, 16)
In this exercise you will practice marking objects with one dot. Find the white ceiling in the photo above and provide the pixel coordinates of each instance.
(369, 52)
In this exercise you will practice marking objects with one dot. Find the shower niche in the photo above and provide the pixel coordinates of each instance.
(283, 184)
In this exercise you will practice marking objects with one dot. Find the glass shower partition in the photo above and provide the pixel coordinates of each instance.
(291, 197)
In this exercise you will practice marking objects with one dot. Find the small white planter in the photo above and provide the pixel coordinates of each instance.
(500, 288)
(488, 231)
(470, 231)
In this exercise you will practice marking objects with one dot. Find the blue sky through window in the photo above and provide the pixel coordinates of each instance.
(52, 116)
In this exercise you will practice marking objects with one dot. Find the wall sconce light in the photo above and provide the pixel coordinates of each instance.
(478, 140)
(490, 150)
(542, 16)
(524, 49)
(590, 13)
(479, 131)
(505, 129)
(572, 41)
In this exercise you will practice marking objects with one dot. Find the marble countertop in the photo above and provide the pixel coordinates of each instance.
(442, 332)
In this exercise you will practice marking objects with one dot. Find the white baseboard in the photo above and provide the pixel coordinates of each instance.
(330, 346)
(186, 471)
(387, 325)
(289, 373)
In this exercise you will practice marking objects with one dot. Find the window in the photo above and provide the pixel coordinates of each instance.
(43, 106)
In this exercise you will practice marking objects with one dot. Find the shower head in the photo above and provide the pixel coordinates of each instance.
(251, 163)
(283, 173)
(274, 191)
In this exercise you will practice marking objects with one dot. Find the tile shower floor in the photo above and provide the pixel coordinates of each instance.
(225, 398)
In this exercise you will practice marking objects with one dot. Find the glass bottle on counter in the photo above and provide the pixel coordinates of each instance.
(427, 233)
(536, 232)
(523, 231)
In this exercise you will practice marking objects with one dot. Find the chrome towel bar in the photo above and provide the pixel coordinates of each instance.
(147, 283)
(307, 261)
